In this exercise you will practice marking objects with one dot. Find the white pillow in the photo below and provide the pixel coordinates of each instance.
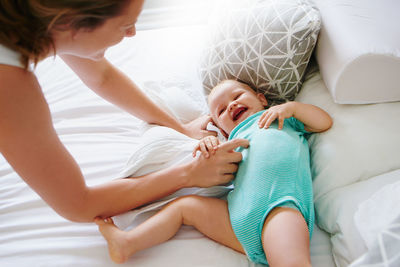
(265, 43)
(358, 50)
(362, 143)
(346, 161)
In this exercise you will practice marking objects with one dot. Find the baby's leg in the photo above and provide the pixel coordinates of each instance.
(285, 238)
(208, 215)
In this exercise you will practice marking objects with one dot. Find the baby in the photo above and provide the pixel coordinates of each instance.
(269, 215)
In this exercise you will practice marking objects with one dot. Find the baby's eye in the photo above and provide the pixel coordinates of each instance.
(221, 111)
(237, 96)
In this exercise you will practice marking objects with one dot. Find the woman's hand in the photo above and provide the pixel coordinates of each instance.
(220, 169)
(208, 145)
(280, 112)
(197, 128)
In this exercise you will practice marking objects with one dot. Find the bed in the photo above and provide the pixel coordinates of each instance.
(163, 59)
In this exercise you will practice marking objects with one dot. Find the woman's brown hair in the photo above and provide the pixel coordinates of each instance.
(26, 25)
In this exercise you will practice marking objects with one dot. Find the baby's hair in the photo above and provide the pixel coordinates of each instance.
(255, 89)
(237, 80)
(252, 86)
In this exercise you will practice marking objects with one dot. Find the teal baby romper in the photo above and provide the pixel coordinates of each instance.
(275, 171)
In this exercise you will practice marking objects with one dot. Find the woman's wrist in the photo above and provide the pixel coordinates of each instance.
(180, 127)
(184, 129)
(184, 174)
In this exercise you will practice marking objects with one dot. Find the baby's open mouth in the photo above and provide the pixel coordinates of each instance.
(237, 113)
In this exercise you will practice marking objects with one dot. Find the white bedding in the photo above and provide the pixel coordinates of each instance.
(379, 226)
(102, 138)
(350, 162)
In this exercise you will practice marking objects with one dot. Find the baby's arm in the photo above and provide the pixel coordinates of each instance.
(314, 118)
(206, 146)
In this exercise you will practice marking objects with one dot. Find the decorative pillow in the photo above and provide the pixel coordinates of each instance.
(266, 43)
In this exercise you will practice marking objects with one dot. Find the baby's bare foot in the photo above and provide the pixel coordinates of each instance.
(116, 239)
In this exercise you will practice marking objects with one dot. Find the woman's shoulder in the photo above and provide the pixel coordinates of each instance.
(23, 108)
(9, 57)
(12, 72)
(18, 83)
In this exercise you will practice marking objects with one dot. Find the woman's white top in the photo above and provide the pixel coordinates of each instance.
(9, 57)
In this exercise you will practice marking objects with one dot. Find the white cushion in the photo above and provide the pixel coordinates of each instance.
(362, 143)
(348, 161)
(358, 50)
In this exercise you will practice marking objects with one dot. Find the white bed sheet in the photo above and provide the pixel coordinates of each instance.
(101, 138)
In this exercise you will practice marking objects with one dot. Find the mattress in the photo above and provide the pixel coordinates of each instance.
(102, 138)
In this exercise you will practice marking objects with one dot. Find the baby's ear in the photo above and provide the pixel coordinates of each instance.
(262, 99)
(219, 129)
(224, 134)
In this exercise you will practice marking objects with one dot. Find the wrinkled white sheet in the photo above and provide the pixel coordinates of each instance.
(378, 212)
(378, 222)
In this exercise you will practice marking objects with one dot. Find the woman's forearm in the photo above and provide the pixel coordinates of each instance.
(125, 194)
(123, 92)
(121, 195)
(114, 86)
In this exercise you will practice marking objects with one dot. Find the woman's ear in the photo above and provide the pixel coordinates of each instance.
(262, 99)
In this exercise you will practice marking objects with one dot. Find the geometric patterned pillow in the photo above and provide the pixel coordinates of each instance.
(266, 43)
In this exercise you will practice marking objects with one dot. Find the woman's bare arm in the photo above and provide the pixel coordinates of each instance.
(113, 85)
(30, 144)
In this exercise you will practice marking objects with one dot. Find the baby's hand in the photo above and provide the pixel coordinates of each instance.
(280, 112)
(206, 146)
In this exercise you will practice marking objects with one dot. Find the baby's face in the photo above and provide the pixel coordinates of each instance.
(231, 102)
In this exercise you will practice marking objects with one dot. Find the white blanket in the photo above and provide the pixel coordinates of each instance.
(379, 226)
(160, 148)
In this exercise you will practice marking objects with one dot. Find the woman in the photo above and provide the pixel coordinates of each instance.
(80, 31)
